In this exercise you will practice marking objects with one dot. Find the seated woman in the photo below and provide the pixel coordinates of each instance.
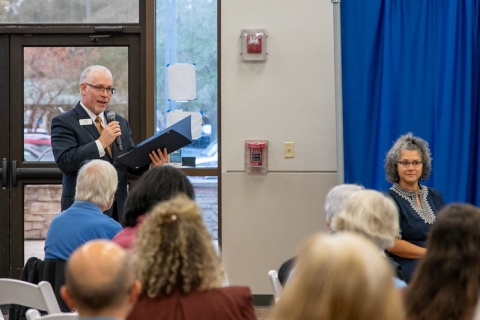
(446, 283)
(340, 277)
(156, 185)
(408, 162)
(375, 216)
(179, 270)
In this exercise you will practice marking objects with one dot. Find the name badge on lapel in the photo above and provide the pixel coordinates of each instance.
(85, 122)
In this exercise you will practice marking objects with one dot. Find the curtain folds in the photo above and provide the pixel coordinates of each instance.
(412, 66)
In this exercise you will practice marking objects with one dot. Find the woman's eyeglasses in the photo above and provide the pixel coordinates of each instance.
(407, 164)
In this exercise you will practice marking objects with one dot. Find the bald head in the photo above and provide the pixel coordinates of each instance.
(99, 276)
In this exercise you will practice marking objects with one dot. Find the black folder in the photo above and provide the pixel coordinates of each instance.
(173, 138)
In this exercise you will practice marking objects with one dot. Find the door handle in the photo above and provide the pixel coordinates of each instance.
(14, 173)
(28, 173)
(4, 173)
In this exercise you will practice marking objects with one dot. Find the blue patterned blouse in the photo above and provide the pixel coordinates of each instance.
(415, 221)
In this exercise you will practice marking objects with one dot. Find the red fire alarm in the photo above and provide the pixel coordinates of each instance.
(254, 44)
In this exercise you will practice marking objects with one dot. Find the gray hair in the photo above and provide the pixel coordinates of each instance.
(407, 142)
(337, 197)
(86, 74)
(371, 214)
(96, 182)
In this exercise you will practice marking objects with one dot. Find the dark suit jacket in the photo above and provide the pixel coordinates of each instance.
(73, 144)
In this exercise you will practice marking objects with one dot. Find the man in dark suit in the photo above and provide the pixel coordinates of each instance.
(84, 133)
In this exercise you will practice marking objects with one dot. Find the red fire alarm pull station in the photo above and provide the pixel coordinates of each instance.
(256, 160)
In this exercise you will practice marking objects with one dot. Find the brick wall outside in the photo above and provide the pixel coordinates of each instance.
(42, 204)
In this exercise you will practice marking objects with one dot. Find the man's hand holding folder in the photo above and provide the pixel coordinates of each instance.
(171, 139)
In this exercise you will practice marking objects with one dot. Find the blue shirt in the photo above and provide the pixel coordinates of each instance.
(82, 222)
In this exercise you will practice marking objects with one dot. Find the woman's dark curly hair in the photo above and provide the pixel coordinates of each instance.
(155, 185)
(446, 283)
(407, 142)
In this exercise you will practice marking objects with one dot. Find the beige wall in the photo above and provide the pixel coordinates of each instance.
(290, 97)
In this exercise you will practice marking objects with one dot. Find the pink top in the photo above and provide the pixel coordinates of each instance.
(126, 237)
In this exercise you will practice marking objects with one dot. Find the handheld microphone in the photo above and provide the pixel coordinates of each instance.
(118, 140)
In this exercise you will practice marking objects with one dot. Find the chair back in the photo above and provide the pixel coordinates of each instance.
(33, 314)
(39, 296)
(276, 285)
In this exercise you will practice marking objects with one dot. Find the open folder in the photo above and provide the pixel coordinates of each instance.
(173, 138)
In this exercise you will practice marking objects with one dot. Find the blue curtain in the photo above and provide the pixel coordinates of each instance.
(412, 66)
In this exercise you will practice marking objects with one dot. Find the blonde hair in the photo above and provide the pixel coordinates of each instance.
(371, 214)
(174, 250)
(340, 277)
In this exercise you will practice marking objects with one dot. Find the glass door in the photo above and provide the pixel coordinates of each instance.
(4, 156)
(43, 81)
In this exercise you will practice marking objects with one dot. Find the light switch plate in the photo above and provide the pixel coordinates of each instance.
(289, 149)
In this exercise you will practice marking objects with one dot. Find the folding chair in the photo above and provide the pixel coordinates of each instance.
(33, 314)
(276, 285)
(39, 296)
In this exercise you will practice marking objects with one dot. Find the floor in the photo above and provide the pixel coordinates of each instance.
(34, 248)
(262, 313)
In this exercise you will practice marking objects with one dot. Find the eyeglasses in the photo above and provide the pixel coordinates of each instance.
(101, 89)
(407, 164)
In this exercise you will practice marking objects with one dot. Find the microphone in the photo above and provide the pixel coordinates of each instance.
(118, 140)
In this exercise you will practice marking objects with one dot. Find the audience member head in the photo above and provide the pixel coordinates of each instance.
(96, 183)
(174, 250)
(336, 199)
(371, 214)
(155, 185)
(100, 281)
(410, 143)
(446, 283)
(340, 277)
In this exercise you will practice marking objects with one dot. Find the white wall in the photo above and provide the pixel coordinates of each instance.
(290, 97)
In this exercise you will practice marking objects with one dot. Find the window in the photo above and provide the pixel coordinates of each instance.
(68, 11)
(49, 90)
(186, 32)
